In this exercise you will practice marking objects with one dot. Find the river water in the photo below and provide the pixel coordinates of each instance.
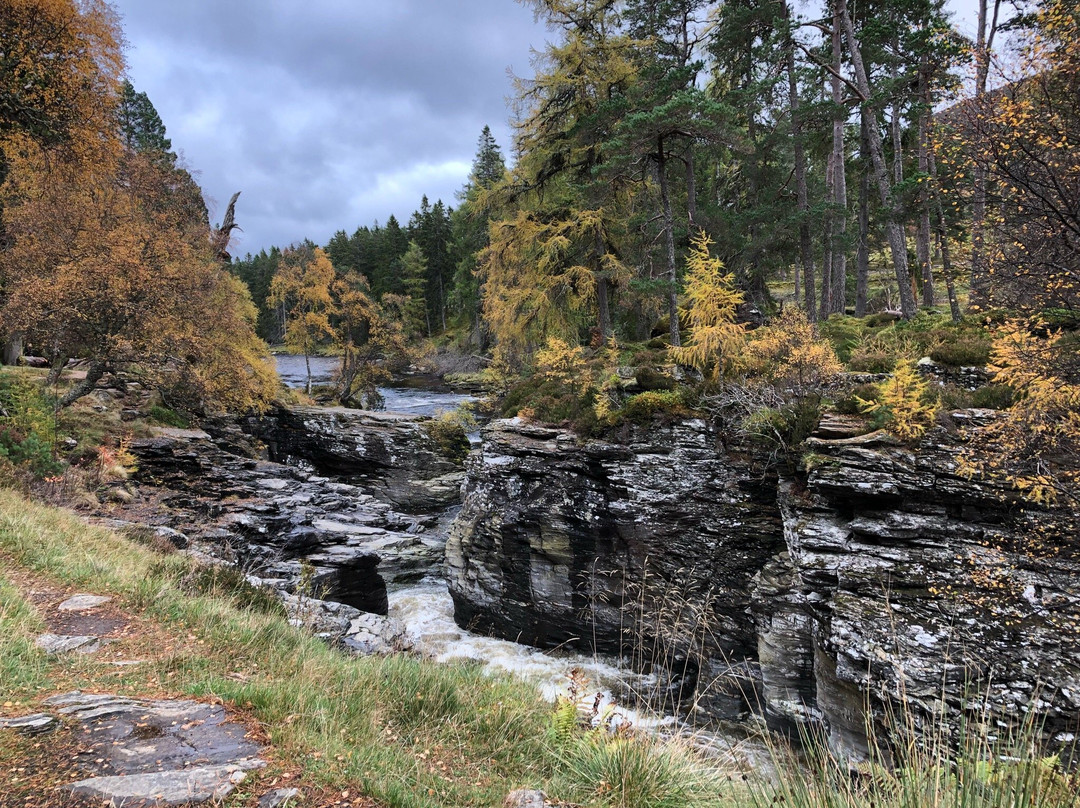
(427, 610)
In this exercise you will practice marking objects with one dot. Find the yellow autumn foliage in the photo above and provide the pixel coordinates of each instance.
(789, 352)
(712, 300)
(904, 403)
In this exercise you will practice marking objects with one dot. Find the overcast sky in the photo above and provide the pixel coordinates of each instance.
(330, 114)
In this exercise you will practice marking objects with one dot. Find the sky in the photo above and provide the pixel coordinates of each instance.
(332, 114)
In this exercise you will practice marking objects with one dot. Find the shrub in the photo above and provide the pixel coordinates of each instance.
(449, 435)
(993, 397)
(963, 351)
(786, 427)
(651, 379)
(27, 426)
(644, 407)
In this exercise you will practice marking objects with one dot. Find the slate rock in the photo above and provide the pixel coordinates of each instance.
(64, 644)
(36, 724)
(279, 798)
(177, 787)
(83, 602)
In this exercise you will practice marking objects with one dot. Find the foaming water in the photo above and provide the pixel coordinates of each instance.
(427, 611)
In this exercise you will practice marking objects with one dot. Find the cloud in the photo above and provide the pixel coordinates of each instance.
(327, 115)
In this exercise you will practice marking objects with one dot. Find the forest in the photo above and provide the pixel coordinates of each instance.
(720, 195)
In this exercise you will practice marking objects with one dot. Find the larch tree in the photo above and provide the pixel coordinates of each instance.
(302, 286)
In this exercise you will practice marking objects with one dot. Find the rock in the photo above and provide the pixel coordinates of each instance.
(279, 798)
(392, 453)
(80, 603)
(560, 541)
(525, 798)
(36, 724)
(63, 644)
(372, 634)
(178, 787)
(127, 736)
(878, 581)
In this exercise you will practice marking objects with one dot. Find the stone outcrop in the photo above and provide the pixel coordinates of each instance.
(284, 525)
(880, 577)
(645, 548)
(390, 454)
(907, 583)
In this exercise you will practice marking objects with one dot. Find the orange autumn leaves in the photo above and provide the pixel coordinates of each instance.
(100, 259)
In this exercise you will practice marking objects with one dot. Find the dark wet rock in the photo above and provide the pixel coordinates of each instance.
(36, 724)
(907, 583)
(880, 577)
(391, 453)
(652, 543)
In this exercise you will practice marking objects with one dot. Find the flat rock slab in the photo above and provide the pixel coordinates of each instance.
(36, 724)
(81, 603)
(179, 787)
(279, 798)
(65, 644)
(124, 736)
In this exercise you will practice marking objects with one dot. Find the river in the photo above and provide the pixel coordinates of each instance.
(426, 609)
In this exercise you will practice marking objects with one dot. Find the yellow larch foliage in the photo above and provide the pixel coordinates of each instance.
(790, 352)
(712, 300)
(557, 361)
(904, 403)
(1035, 446)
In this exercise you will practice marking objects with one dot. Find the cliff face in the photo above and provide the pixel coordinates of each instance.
(880, 575)
(390, 454)
(646, 548)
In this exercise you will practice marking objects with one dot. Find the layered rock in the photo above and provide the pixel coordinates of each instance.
(391, 454)
(907, 584)
(645, 548)
(284, 525)
(881, 579)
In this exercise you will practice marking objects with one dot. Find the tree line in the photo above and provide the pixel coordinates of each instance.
(842, 157)
(106, 251)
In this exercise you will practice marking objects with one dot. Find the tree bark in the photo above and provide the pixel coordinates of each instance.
(943, 239)
(806, 253)
(893, 228)
(980, 277)
(94, 373)
(13, 349)
(862, 252)
(922, 239)
(838, 272)
(691, 188)
(669, 242)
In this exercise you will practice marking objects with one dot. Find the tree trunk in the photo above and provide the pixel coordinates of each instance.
(980, 277)
(94, 373)
(307, 365)
(922, 240)
(838, 272)
(893, 228)
(691, 188)
(806, 253)
(13, 349)
(862, 253)
(669, 242)
(943, 239)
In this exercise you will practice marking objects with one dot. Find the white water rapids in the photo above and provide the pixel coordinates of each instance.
(427, 612)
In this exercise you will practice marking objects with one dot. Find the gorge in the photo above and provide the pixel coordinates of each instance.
(876, 577)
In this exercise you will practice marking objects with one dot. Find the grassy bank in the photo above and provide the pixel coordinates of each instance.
(400, 730)
(392, 731)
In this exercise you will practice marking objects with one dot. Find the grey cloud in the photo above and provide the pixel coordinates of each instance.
(325, 113)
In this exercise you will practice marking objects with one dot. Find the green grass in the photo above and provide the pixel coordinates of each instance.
(405, 731)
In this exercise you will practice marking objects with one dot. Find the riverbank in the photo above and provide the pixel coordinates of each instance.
(393, 731)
